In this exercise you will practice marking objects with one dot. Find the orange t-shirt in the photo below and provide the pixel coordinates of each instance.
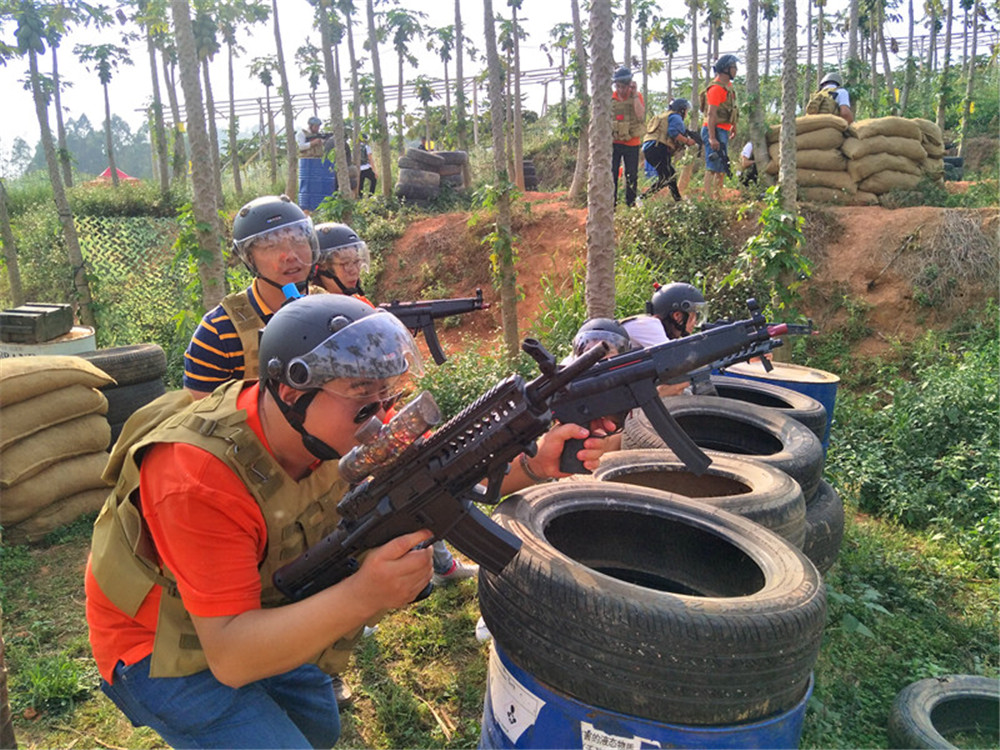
(208, 531)
(631, 141)
(714, 96)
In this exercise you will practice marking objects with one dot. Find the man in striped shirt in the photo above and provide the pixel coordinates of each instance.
(277, 243)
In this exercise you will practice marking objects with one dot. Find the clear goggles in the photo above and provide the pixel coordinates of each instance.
(586, 340)
(366, 360)
(282, 238)
(699, 310)
(355, 255)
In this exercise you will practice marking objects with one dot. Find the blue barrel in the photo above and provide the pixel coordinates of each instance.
(317, 180)
(521, 712)
(819, 384)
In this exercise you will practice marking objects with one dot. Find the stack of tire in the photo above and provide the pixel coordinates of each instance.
(53, 443)
(423, 173)
(137, 371)
(530, 176)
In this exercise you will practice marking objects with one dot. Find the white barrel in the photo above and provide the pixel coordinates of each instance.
(79, 340)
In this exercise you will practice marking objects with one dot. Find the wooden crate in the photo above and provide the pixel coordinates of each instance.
(35, 322)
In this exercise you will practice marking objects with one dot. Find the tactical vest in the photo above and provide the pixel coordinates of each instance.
(823, 102)
(297, 514)
(725, 112)
(315, 148)
(624, 124)
(656, 130)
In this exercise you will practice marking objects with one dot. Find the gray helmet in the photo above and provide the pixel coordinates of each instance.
(833, 78)
(340, 344)
(270, 219)
(725, 63)
(597, 330)
(338, 242)
(315, 121)
(676, 297)
(622, 75)
(679, 105)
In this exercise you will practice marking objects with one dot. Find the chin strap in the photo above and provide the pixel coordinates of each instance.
(295, 415)
(346, 290)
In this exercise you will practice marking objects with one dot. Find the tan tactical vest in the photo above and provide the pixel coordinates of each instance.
(823, 102)
(314, 150)
(725, 112)
(624, 124)
(297, 514)
(656, 130)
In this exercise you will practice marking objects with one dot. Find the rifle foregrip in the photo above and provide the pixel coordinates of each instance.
(318, 568)
(430, 336)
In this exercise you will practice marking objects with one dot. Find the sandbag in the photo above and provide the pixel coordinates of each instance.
(60, 513)
(34, 414)
(824, 195)
(820, 178)
(933, 151)
(772, 167)
(809, 123)
(861, 169)
(22, 378)
(929, 131)
(828, 160)
(773, 134)
(60, 480)
(883, 182)
(857, 148)
(934, 167)
(861, 198)
(25, 458)
(773, 151)
(821, 139)
(893, 126)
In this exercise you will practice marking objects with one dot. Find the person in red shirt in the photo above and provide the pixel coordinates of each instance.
(628, 125)
(719, 102)
(190, 635)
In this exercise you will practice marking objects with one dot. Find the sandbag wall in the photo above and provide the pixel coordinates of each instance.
(53, 443)
(858, 163)
(423, 173)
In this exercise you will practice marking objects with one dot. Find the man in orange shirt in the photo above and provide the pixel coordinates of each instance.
(189, 633)
(719, 102)
(628, 125)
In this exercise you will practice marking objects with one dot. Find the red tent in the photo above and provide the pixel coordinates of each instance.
(106, 175)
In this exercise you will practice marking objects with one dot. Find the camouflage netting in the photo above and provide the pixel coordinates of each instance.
(856, 164)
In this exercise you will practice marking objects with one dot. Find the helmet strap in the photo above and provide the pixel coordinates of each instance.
(348, 291)
(669, 324)
(295, 415)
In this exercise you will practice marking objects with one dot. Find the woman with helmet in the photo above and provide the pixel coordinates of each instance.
(277, 243)
(342, 257)
(719, 102)
(665, 136)
(189, 634)
(831, 98)
(628, 112)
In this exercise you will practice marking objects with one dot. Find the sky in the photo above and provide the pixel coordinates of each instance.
(130, 87)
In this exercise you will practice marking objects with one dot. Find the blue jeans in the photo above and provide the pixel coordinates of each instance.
(296, 709)
(714, 160)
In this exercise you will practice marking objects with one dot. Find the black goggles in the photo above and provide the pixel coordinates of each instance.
(365, 412)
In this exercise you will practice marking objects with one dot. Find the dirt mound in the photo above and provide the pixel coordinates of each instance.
(869, 254)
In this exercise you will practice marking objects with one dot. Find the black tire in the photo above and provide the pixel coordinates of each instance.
(416, 193)
(744, 430)
(798, 406)
(405, 163)
(419, 178)
(450, 170)
(529, 169)
(750, 489)
(953, 173)
(926, 712)
(454, 180)
(453, 157)
(654, 606)
(429, 159)
(824, 527)
(955, 161)
(123, 400)
(136, 363)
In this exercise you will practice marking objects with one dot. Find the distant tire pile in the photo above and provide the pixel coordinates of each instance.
(137, 371)
(530, 176)
(53, 443)
(422, 174)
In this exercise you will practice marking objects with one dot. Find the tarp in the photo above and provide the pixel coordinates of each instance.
(105, 176)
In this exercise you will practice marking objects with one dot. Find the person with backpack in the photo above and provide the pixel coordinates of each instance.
(831, 99)
(718, 101)
(628, 112)
(665, 136)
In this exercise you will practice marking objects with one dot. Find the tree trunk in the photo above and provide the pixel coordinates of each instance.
(336, 102)
(580, 173)
(852, 30)
(7, 738)
(475, 111)
(807, 78)
(890, 87)
(627, 61)
(211, 269)
(400, 144)
(180, 160)
(109, 143)
(509, 119)
(272, 141)
(14, 279)
(944, 89)
(355, 93)
(234, 144)
(64, 156)
(692, 166)
(757, 130)
(384, 149)
(460, 124)
(767, 54)
(929, 61)
(910, 73)
(600, 197)
(789, 96)
(213, 134)
(967, 99)
(291, 147)
(159, 132)
(503, 250)
(873, 45)
(76, 262)
(518, 134)
(820, 34)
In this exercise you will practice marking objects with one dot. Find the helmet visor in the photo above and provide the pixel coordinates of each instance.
(588, 339)
(354, 256)
(366, 360)
(699, 310)
(298, 235)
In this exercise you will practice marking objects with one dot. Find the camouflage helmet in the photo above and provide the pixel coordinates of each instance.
(597, 330)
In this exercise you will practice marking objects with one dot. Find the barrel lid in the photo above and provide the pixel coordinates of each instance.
(784, 372)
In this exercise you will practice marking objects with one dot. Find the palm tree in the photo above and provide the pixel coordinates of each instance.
(211, 268)
(263, 69)
(291, 147)
(600, 201)
(404, 26)
(382, 136)
(753, 95)
(669, 32)
(16, 293)
(770, 10)
(442, 41)
(644, 20)
(31, 40)
(168, 59)
(970, 76)
(911, 66)
(346, 8)
(944, 90)
(146, 17)
(206, 46)
(460, 125)
(329, 39)
(425, 93)
(105, 59)
(578, 185)
(515, 6)
(503, 250)
(789, 99)
(310, 62)
(562, 36)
